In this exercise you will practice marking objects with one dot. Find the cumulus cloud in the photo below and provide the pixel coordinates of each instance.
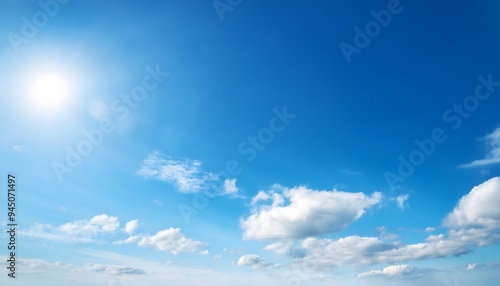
(131, 226)
(492, 145)
(474, 222)
(204, 252)
(171, 240)
(393, 270)
(98, 224)
(430, 229)
(253, 261)
(477, 209)
(300, 212)
(81, 231)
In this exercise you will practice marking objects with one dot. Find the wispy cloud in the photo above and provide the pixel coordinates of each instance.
(185, 174)
(492, 145)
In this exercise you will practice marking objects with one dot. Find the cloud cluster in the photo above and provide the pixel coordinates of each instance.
(301, 212)
(171, 240)
(469, 225)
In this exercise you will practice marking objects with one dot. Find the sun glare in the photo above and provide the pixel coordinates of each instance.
(50, 90)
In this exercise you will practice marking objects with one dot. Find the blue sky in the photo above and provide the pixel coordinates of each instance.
(215, 142)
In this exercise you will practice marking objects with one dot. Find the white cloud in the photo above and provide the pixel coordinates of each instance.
(183, 173)
(471, 266)
(393, 270)
(98, 224)
(477, 209)
(279, 247)
(300, 212)
(171, 240)
(157, 202)
(217, 256)
(492, 142)
(82, 231)
(430, 229)
(477, 266)
(230, 187)
(129, 240)
(131, 226)
(252, 260)
(401, 201)
(204, 252)
(474, 222)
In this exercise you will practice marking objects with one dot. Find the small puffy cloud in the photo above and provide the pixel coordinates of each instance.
(430, 229)
(131, 226)
(171, 240)
(301, 212)
(393, 270)
(230, 187)
(253, 261)
(204, 252)
(478, 209)
(492, 145)
(98, 224)
(217, 256)
(185, 174)
(401, 201)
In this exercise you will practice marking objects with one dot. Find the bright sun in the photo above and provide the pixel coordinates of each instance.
(50, 90)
